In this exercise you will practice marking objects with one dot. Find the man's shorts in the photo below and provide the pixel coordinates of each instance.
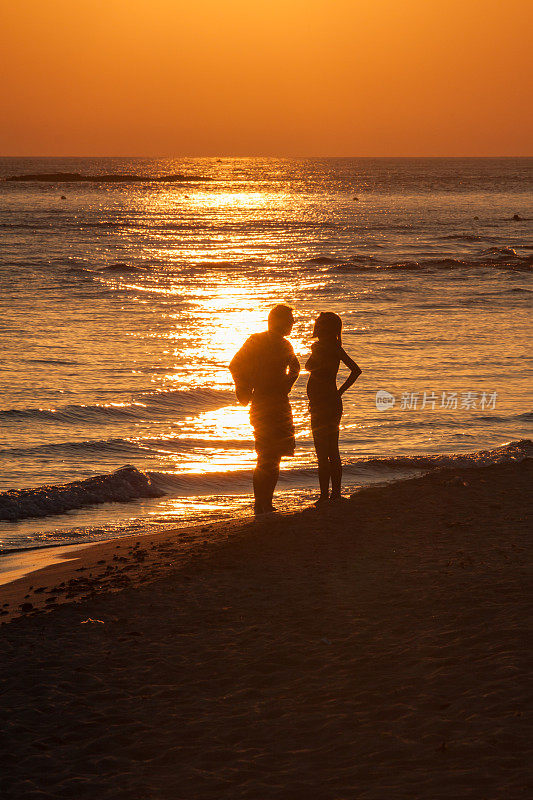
(271, 418)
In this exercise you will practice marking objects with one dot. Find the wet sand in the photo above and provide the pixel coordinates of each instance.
(20, 564)
(375, 649)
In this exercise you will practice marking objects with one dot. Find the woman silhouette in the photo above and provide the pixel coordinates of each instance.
(325, 403)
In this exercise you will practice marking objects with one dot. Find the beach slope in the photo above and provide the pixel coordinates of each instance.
(375, 649)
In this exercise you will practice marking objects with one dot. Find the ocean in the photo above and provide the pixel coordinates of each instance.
(123, 302)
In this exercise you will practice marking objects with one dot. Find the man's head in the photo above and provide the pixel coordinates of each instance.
(281, 320)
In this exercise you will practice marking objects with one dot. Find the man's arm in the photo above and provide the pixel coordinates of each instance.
(241, 368)
(293, 371)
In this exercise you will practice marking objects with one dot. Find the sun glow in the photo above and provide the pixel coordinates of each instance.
(309, 77)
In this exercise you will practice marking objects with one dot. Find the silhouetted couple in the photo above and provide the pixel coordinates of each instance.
(264, 371)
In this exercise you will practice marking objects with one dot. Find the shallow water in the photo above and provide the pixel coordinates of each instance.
(122, 304)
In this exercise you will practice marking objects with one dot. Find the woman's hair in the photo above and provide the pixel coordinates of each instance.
(328, 324)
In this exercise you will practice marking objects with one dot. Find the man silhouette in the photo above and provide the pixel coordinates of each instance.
(264, 371)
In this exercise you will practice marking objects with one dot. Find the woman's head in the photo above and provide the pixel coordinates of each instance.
(328, 326)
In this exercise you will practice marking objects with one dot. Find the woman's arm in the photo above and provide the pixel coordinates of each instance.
(355, 371)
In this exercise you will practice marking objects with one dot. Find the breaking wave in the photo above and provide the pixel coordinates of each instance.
(128, 483)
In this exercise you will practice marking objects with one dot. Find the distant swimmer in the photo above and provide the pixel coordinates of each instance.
(325, 400)
(518, 218)
(264, 371)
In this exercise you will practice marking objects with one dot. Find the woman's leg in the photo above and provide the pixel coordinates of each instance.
(320, 438)
(335, 464)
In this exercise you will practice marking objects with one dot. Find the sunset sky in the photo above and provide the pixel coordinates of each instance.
(266, 77)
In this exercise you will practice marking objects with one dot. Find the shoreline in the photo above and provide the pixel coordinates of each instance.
(26, 580)
(128, 484)
(375, 648)
(22, 558)
(59, 563)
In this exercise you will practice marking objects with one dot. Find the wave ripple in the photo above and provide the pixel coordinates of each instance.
(148, 406)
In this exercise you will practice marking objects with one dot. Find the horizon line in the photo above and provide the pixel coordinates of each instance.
(302, 157)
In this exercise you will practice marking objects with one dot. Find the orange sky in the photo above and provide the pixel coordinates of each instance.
(266, 77)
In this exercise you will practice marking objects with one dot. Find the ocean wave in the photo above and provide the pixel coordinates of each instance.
(100, 446)
(128, 483)
(505, 258)
(501, 252)
(239, 480)
(164, 225)
(513, 451)
(527, 416)
(77, 177)
(320, 260)
(152, 446)
(465, 237)
(214, 265)
(511, 290)
(355, 258)
(124, 485)
(171, 444)
(120, 268)
(26, 226)
(55, 361)
(156, 404)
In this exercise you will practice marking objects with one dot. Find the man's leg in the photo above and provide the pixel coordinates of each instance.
(265, 478)
(257, 480)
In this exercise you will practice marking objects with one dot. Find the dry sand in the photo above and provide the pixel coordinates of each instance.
(376, 649)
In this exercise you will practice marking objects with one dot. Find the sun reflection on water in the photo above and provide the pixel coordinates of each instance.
(207, 294)
(217, 200)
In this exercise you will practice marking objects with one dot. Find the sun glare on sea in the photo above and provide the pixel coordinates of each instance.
(207, 294)
(224, 317)
(204, 200)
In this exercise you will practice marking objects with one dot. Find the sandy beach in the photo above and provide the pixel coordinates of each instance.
(375, 649)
